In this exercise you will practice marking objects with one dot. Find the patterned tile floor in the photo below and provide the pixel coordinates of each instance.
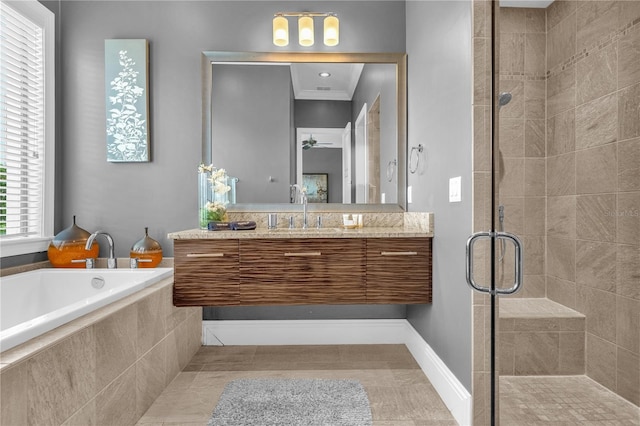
(399, 392)
(562, 400)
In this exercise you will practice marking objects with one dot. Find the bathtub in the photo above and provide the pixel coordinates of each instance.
(32, 303)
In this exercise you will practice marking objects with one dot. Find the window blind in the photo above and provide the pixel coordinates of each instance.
(22, 125)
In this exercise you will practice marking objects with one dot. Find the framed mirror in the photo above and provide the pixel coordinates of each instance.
(260, 112)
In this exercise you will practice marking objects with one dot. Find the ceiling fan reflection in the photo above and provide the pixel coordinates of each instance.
(311, 142)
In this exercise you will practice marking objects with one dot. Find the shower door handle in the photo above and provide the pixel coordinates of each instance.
(518, 261)
(469, 253)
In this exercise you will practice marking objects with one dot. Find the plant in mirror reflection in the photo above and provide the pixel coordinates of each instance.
(125, 123)
(214, 199)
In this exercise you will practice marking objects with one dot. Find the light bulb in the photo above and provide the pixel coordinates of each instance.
(331, 31)
(280, 31)
(305, 31)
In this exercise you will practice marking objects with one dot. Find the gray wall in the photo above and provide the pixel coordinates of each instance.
(439, 116)
(124, 198)
(250, 119)
(310, 113)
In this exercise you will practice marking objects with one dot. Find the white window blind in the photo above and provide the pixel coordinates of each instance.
(25, 204)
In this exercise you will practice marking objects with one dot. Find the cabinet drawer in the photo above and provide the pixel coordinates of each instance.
(207, 273)
(302, 271)
(399, 270)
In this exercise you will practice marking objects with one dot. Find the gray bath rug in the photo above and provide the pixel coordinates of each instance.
(292, 402)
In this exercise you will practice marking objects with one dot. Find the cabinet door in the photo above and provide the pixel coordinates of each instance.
(302, 271)
(399, 270)
(206, 273)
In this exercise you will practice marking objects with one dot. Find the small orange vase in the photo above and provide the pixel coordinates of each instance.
(147, 250)
(68, 246)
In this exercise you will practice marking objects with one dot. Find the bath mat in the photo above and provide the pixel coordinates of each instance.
(292, 402)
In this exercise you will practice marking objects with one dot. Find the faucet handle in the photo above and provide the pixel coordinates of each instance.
(134, 262)
(89, 262)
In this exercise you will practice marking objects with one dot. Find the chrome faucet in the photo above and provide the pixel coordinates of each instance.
(111, 261)
(304, 209)
(301, 194)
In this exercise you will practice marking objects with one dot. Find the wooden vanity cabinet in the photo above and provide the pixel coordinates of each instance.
(302, 271)
(399, 270)
(206, 273)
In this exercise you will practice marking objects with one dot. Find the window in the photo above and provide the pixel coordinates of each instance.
(27, 78)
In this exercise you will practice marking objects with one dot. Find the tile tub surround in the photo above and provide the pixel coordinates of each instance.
(381, 225)
(106, 367)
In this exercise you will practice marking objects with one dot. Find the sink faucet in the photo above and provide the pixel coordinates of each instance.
(300, 193)
(304, 208)
(111, 261)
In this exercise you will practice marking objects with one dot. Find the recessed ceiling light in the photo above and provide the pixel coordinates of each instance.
(324, 74)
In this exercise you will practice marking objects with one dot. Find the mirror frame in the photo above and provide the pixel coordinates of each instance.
(398, 59)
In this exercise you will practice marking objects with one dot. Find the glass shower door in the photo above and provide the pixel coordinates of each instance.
(566, 170)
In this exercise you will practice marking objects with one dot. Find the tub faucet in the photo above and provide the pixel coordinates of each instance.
(111, 261)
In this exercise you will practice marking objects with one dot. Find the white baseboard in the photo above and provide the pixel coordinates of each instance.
(453, 393)
(339, 332)
(304, 332)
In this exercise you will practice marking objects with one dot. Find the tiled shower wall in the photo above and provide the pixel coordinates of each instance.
(586, 213)
(522, 142)
(593, 180)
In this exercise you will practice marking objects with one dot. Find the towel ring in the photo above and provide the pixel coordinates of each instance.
(418, 150)
(391, 168)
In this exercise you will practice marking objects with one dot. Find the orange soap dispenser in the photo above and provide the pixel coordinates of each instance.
(66, 250)
(146, 253)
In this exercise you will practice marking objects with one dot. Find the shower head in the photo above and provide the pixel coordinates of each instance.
(504, 98)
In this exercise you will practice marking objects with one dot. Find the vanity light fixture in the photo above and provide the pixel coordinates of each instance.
(280, 30)
(305, 28)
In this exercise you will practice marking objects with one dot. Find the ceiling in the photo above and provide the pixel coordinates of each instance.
(339, 86)
(307, 84)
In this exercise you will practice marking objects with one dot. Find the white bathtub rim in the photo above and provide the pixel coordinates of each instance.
(30, 329)
(50, 338)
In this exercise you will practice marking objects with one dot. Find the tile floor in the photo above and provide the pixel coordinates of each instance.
(399, 392)
(562, 400)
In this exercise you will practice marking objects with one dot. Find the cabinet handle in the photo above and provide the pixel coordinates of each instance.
(398, 253)
(303, 254)
(205, 254)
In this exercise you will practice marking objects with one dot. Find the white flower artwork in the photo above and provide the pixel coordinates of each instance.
(126, 100)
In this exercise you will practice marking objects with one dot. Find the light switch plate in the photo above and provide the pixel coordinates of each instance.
(455, 189)
(409, 196)
(383, 198)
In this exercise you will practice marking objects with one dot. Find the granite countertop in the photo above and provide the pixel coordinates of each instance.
(376, 225)
(262, 233)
